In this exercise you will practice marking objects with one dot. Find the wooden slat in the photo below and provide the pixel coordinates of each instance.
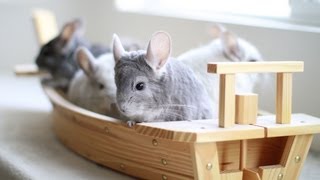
(229, 155)
(45, 25)
(232, 175)
(255, 67)
(227, 100)
(264, 152)
(28, 70)
(284, 98)
(243, 154)
(295, 154)
(119, 146)
(199, 131)
(204, 155)
(300, 124)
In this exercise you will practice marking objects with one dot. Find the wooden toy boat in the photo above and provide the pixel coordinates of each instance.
(239, 146)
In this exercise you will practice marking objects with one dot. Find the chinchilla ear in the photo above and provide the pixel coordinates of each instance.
(231, 46)
(118, 50)
(216, 30)
(85, 60)
(159, 50)
(72, 29)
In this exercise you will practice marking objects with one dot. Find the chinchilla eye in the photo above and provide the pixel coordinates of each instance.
(101, 86)
(140, 86)
(252, 60)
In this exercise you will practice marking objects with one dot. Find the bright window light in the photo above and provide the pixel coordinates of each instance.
(265, 8)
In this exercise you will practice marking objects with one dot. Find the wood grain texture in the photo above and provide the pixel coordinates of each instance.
(231, 175)
(264, 152)
(284, 98)
(227, 100)
(243, 154)
(246, 108)
(255, 67)
(205, 154)
(249, 174)
(115, 145)
(45, 25)
(300, 124)
(296, 146)
(199, 131)
(271, 172)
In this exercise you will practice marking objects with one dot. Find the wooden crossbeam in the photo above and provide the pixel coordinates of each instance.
(255, 67)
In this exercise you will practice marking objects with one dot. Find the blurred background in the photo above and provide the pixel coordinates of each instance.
(281, 30)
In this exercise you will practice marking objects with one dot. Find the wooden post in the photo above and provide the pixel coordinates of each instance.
(243, 153)
(246, 108)
(205, 161)
(294, 155)
(227, 100)
(284, 98)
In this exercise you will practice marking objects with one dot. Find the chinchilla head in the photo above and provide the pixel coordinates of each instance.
(139, 77)
(235, 49)
(232, 47)
(98, 86)
(60, 49)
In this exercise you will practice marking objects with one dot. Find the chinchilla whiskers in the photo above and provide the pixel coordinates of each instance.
(167, 111)
(178, 105)
(171, 115)
(170, 106)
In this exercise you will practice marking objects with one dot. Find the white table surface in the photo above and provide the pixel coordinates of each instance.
(30, 150)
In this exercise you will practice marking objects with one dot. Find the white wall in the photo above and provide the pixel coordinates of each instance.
(18, 41)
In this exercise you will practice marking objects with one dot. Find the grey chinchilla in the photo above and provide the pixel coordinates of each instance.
(57, 56)
(152, 86)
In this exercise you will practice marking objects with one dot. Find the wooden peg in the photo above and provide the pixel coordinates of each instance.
(284, 98)
(246, 108)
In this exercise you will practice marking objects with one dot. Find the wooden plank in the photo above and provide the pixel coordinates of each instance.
(227, 100)
(249, 174)
(243, 154)
(199, 131)
(284, 98)
(130, 153)
(264, 152)
(231, 175)
(295, 154)
(45, 25)
(246, 108)
(271, 172)
(229, 155)
(27, 70)
(300, 124)
(205, 161)
(255, 67)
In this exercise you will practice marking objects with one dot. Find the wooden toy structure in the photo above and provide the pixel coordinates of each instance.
(238, 146)
(273, 147)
